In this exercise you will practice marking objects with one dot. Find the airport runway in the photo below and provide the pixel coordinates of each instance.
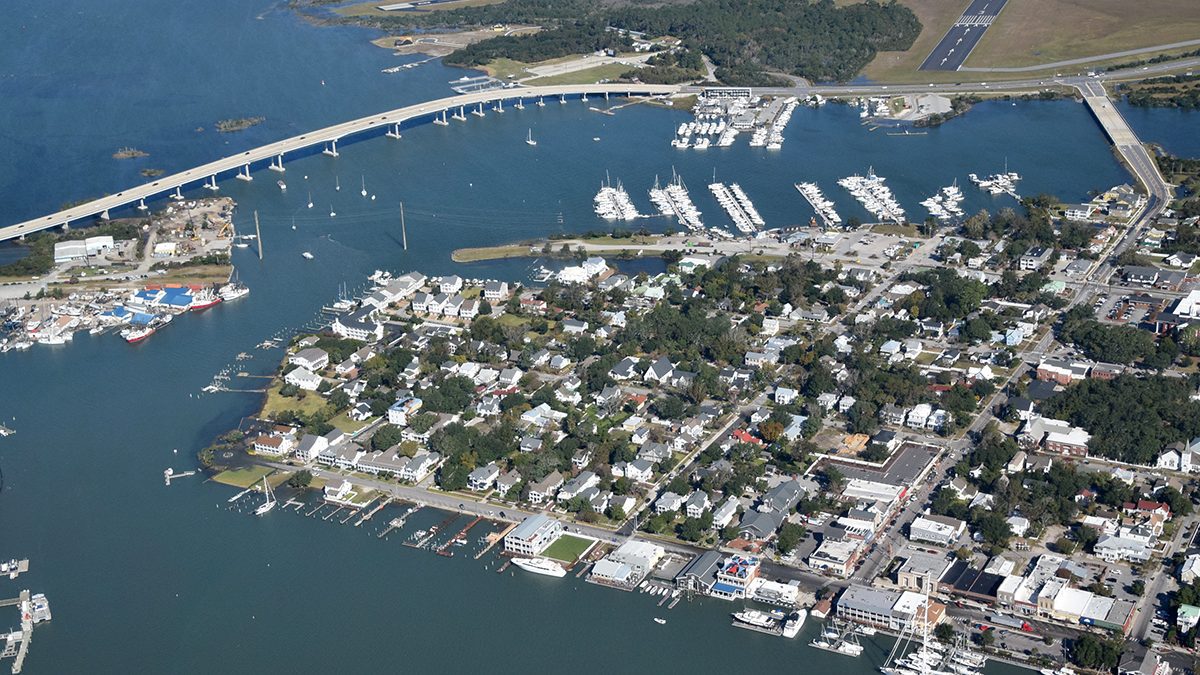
(962, 37)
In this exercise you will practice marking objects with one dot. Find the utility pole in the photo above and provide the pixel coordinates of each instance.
(258, 234)
(403, 229)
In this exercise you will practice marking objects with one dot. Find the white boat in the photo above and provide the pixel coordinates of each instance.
(282, 185)
(529, 138)
(793, 623)
(310, 199)
(307, 255)
(866, 630)
(659, 621)
(337, 184)
(543, 566)
(364, 186)
(233, 291)
(270, 501)
(39, 608)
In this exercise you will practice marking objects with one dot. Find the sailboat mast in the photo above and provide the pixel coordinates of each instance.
(258, 234)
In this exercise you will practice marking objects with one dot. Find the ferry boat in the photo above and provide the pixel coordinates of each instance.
(543, 566)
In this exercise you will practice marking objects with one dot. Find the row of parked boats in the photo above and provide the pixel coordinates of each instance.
(613, 203)
(704, 133)
(998, 183)
(772, 136)
(875, 197)
(824, 207)
(674, 201)
(945, 203)
(738, 205)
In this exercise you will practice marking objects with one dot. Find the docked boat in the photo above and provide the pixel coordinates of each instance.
(135, 335)
(39, 608)
(233, 290)
(269, 503)
(793, 623)
(204, 300)
(543, 566)
(757, 619)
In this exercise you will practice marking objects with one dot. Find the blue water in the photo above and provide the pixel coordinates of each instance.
(1177, 130)
(155, 579)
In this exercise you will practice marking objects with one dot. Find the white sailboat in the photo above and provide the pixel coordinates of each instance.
(529, 139)
(364, 186)
(337, 184)
(331, 211)
(270, 501)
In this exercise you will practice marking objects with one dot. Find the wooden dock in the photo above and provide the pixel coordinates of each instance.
(378, 507)
(444, 549)
(495, 538)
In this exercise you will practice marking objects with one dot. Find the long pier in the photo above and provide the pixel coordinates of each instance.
(274, 154)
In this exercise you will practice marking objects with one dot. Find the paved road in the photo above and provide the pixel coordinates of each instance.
(960, 40)
(1084, 60)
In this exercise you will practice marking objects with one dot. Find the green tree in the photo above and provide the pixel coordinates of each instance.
(301, 479)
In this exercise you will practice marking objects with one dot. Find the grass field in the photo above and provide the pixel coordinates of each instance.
(568, 548)
(311, 402)
(372, 8)
(609, 71)
(1029, 32)
(242, 478)
(936, 18)
(489, 253)
(344, 423)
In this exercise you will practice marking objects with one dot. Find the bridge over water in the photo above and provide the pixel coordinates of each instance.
(327, 138)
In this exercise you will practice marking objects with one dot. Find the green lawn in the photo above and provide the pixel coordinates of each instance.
(244, 477)
(568, 548)
(608, 71)
(311, 403)
(341, 421)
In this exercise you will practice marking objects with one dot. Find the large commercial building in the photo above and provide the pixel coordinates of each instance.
(533, 535)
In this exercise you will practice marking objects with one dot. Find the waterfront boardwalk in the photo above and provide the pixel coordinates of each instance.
(328, 138)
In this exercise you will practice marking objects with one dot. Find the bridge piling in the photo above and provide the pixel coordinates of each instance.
(142, 205)
(178, 196)
(277, 165)
(331, 149)
(244, 174)
(212, 184)
(393, 131)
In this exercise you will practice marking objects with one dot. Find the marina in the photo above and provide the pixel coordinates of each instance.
(824, 207)
(613, 203)
(874, 196)
(945, 203)
(738, 206)
(673, 201)
(1004, 183)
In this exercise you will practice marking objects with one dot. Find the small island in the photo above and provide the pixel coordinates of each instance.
(129, 153)
(238, 124)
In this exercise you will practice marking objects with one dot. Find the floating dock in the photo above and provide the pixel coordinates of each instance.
(495, 538)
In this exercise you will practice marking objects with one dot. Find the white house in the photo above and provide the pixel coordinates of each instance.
(450, 284)
(312, 358)
(303, 378)
(785, 396)
(483, 478)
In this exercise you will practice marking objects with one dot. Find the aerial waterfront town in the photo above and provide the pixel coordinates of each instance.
(932, 436)
(876, 348)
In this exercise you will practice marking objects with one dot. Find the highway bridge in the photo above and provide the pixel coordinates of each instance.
(275, 154)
